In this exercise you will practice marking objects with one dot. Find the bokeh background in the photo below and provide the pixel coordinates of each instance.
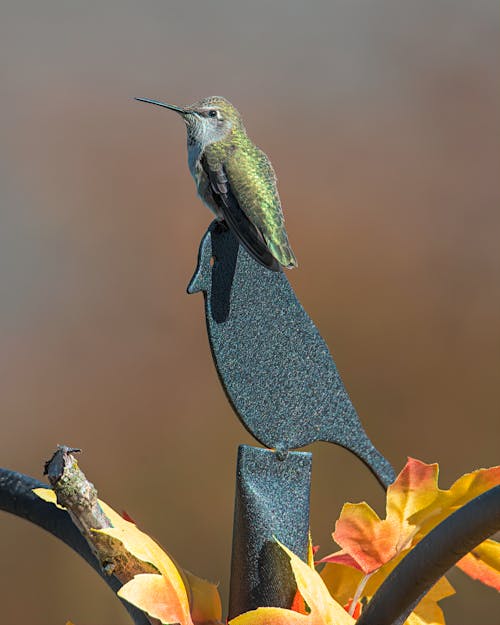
(381, 118)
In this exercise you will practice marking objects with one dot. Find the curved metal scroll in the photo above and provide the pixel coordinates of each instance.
(429, 560)
(272, 362)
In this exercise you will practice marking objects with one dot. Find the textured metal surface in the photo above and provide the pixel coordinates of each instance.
(273, 363)
(272, 501)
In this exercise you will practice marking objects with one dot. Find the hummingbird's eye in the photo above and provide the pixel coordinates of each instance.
(212, 113)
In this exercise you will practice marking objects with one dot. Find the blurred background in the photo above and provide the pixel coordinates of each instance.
(381, 119)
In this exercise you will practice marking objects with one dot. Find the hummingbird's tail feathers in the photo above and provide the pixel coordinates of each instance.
(282, 251)
(251, 240)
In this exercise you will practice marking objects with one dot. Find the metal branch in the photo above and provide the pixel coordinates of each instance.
(428, 561)
(17, 497)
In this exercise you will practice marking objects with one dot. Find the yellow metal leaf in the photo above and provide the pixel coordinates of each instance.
(428, 612)
(48, 495)
(206, 607)
(172, 596)
(344, 583)
(444, 502)
(324, 610)
(170, 591)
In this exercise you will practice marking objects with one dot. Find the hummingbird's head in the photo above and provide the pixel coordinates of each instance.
(208, 120)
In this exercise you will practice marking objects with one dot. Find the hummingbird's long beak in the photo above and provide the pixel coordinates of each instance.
(172, 107)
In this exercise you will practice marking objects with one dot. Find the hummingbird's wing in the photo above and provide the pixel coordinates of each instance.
(244, 187)
(235, 218)
(253, 181)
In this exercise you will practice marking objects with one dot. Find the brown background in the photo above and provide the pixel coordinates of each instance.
(381, 119)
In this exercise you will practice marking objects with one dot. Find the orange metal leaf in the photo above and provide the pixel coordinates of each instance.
(483, 563)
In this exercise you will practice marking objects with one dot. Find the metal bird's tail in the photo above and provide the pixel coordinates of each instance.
(362, 447)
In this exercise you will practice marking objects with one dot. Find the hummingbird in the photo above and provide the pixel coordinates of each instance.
(235, 179)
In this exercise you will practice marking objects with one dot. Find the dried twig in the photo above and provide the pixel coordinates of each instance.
(79, 496)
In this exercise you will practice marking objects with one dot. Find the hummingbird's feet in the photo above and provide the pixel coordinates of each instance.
(220, 227)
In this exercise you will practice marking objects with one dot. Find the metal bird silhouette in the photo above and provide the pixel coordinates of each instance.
(274, 365)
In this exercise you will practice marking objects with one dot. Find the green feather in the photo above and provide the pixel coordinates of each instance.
(253, 182)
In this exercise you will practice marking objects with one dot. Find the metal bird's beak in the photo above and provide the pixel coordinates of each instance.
(172, 107)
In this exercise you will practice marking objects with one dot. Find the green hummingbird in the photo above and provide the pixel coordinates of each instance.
(235, 179)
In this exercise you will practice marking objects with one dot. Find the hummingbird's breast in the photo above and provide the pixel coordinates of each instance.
(194, 155)
(195, 152)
